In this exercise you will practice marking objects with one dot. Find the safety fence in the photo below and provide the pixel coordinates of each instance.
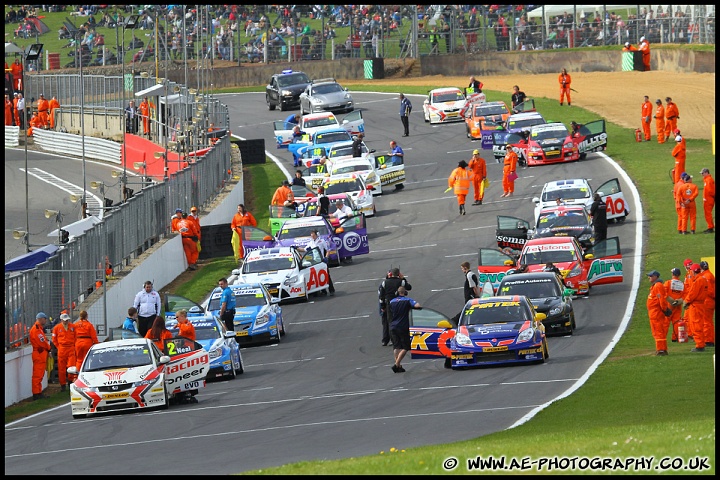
(142, 218)
(12, 136)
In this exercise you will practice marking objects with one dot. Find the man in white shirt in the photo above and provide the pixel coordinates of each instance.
(318, 243)
(343, 211)
(147, 303)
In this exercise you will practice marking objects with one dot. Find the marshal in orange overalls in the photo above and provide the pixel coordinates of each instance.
(509, 166)
(657, 306)
(40, 350)
(54, 104)
(675, 290)
(679, 153)
(688, 210)
(63, 337)
(660, 121)
(694, 305)
(85, 337)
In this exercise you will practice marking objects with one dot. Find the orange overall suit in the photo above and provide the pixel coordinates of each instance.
(144, 110)
(660, 122)
(675, 290)
(709, 200)
(16, 112)
(479, 168)
(688, 210)
(695, 306)
(671, 117)
(240, 220)
(8, 112)
(43, 106)
(459, 181)
(40, 350)
(708, 325)
(85, 337)
(564, 81)
(679, 153)
(53, 105)
(645, 49)
(509, 166)
(657, 307)
(646, 112)
(64, 340)
(687, 281)
(190, 236)
(282, 196)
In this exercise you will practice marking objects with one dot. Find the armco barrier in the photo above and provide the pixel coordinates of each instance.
(68, 144)
(12, 136)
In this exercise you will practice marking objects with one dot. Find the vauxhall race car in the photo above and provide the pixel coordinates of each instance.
(258, 317)
(553, 143)
(444, 105)
(353, 123)
(288, 274)
(325, 138)
(492, 330)
(598, 265)
(518, 123)
(578, 191)
(133, 374)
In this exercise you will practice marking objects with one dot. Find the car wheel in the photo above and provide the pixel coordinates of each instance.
(427, 119)
(573, 326)
(448, 363)
(545, 352)
(282, 107)
(282, 328)
(468, 133)
(269, 103)
(232, 373)
(582, 156)
(241, 368)
(166, 405)
(79, 415)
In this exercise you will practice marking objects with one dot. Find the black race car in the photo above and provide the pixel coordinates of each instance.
(284, 90)
(547, 294)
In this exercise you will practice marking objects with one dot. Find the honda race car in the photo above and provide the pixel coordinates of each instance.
(491, 331)
(548, 295)
(444, 105)
(133, 374)
(354, 185)
(598, 265)
(353, 123)
(287, 274)
(558, 221)
(553, 143)
(224, 352)
(258, 317)
(578, 191)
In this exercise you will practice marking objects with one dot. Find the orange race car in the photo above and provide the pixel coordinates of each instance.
(482, 118)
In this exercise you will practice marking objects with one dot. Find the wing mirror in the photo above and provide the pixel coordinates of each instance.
(444, 324)
(588, 256)
(164, 359)
(569, 292)
(372, 151)
(536, 200)
(339, 230)
(539, 317)
(508, 263)
(267, 238)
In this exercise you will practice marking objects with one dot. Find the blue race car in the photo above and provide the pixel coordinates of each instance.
(258, 317)
(324, 138)
(224, 352)
(490, 331)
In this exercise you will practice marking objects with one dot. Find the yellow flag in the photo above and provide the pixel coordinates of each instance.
(448, 189)
(235, 242)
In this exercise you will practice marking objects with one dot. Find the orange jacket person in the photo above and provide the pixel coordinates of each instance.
(159, 333)
(675, 289)
(16, 113)
(8, 111)
(678, 202)
(176, 219)
(283, 195)
(660, 121)
(629, 47)
(63, 337)
(695, 306)
(35, 122)
(459, 181)
(659, 312)
(645, 49)
(509, 168)
(646, 113)
(479, 168)
(564, 81)
(40, 349)
(17, 72)
(185, 328)
(144, 110)
(43, 106)
(679, 153)
(189, 234)
(687, 281)
(85, 337)
(708, 199)
(671, 116)
(708, 327)
(53, 105)
(195, 218)
(688, 210)
(243, 218)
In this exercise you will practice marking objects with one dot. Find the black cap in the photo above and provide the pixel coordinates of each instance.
(285, 182)
(653, 273)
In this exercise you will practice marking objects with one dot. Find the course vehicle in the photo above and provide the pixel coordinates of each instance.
(444, 105)
(353, 184)
(284, 89)
(224, 351)
(577, 191)
(258, 315)
(558, 221)
(133, 374)
(598, 265)
(518, 123)
(353, 123)
(548, 295)
(491, 330)
(363, 166)
(325, 95)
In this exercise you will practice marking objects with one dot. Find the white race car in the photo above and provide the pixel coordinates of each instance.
(363, 166)
(444, 105)
(286, 272)
(579, 192)
(353, 184)
(133, 374)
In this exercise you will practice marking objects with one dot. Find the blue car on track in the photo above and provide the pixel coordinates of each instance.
(258, 316)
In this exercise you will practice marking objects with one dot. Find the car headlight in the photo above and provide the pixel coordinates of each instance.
(348, 97)
(286, 93)
(568, 146)
(215, 352)
(462, 339)
(576, 270)
(526, 335)
(555, 311)
(262, 319)
(536, 150)
(291, 280)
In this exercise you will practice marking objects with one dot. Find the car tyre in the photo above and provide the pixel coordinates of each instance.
(573, 326)
(582, 156)
(427, 118)
(545, 352)
(233, 373)
(241, 369)
(270, 105)
(447, 363)
(167, 401)
(282, 328)
(282, 107)
(78, 416)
